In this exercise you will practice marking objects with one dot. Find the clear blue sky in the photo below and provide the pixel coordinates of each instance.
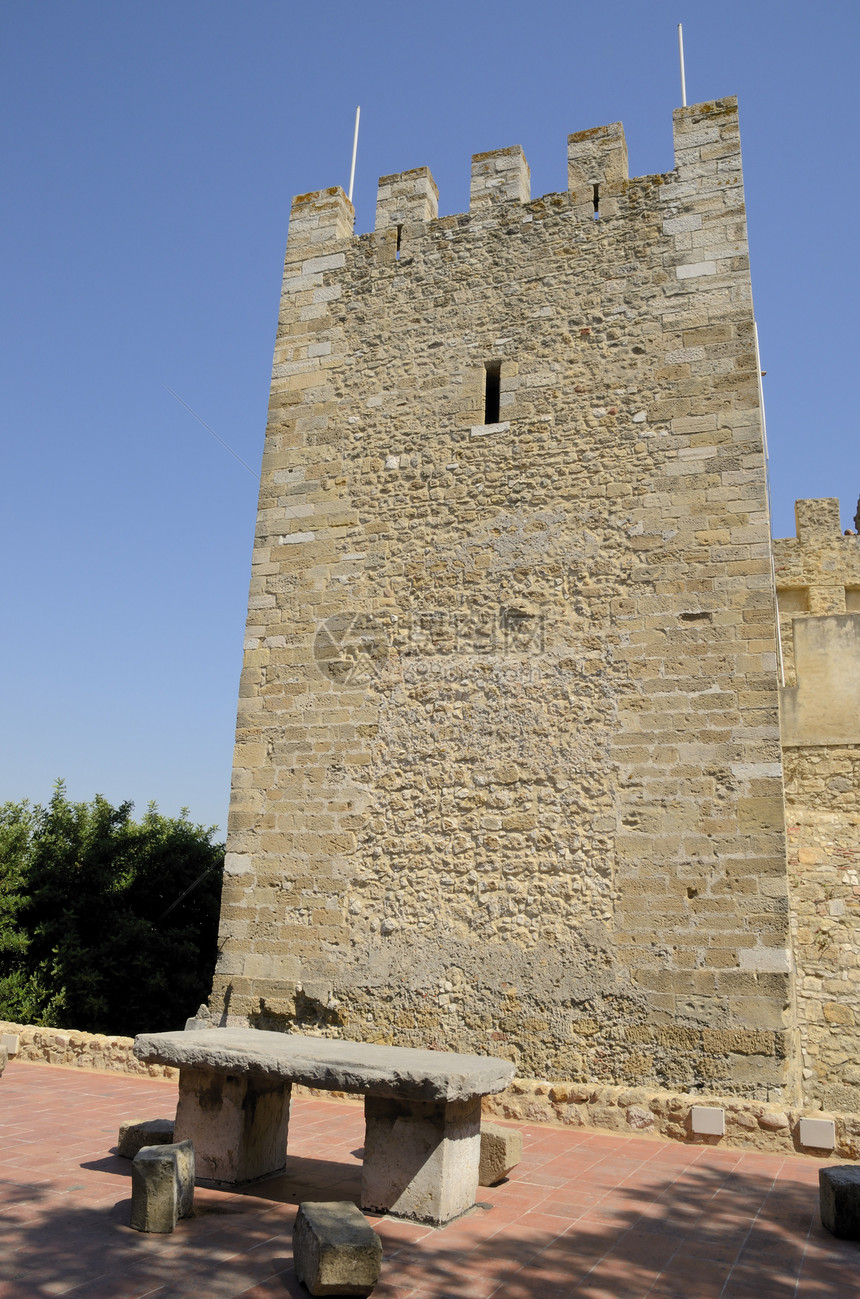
(149, 155)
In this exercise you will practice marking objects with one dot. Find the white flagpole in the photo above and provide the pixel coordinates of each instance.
(683, 79)
(354, 152)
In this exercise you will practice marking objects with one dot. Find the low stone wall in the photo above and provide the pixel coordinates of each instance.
(750, 1125)
(636, 1110)
(81, 1050)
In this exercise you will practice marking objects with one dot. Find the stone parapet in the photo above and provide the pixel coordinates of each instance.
(499, 176)
(596, 164)
(640, 1111)
(817, 575)
(406, 197)
(81, 1050)
(318, 218)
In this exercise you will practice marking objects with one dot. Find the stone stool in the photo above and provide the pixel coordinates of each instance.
(501, 1151)
(335, 1249)
(839, 1199)
(134, 1134)
(162, 1186)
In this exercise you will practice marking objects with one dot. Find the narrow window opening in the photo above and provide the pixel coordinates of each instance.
(492, 392)
(397, 248)
(595, 198)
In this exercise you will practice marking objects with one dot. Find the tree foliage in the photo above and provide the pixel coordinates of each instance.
(107, 924)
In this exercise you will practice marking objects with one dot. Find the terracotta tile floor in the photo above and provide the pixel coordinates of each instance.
(585, 1215)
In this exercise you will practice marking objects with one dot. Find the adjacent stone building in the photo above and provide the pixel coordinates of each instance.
(818, 589)
(507, 773)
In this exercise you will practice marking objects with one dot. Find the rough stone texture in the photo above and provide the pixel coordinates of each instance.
(201, 1020)
(134, 1134)
(402, 1072)
(501, 1151)
(620, 1109)
(81, 1050)
(4, 1058)
(335, 1249)
(507, 774)
(237, 1121)
(162, 1186)
(822, 799)
(839, 1197)
(405, 198)
(818, 586)
(421, 1158)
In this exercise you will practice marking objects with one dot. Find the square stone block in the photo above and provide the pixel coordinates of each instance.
(134, 1134)
(839, 1200)
(238, 1123)
(335, 1249)
(10, 1041)
(818, 1134)
(162, 1186)
(708, 1120)
(421, 1158)
(501, 1151)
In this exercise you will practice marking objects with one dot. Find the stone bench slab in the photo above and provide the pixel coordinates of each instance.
(331, 1064)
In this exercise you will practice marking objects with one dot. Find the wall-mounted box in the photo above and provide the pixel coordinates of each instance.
(819, 1134)
(708, 1120)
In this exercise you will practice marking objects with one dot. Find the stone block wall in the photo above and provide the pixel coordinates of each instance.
(818, 588)
(507, 773)
(81, 1050)
(823, 821)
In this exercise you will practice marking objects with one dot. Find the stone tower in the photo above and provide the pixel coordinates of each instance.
(507, 774)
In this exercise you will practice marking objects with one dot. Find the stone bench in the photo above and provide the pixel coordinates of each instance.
(422, 1110)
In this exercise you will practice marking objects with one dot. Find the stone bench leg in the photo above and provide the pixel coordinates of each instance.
(238, 1123)
(421, 1158)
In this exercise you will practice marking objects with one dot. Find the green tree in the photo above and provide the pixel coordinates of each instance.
(106, 923)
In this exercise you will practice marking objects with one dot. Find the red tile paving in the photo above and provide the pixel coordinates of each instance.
(586, 1215)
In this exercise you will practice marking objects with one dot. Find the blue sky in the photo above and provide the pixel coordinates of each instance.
(149, 153)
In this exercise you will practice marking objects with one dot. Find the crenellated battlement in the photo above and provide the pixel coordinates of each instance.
(499, 176)
(818, 570)
(817, 587)
(707, 158)
(817, 521)
(596, 160)
(321, 217)
(406, 197)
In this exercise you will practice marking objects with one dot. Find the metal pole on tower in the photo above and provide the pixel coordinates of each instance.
(354, 152)
(683, 78)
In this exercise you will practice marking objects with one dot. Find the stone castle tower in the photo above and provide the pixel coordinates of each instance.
(507, 773)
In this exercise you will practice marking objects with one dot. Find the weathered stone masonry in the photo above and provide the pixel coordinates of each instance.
(818, 589)
(507, 772)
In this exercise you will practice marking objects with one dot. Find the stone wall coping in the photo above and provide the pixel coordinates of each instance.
(331, 1063)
